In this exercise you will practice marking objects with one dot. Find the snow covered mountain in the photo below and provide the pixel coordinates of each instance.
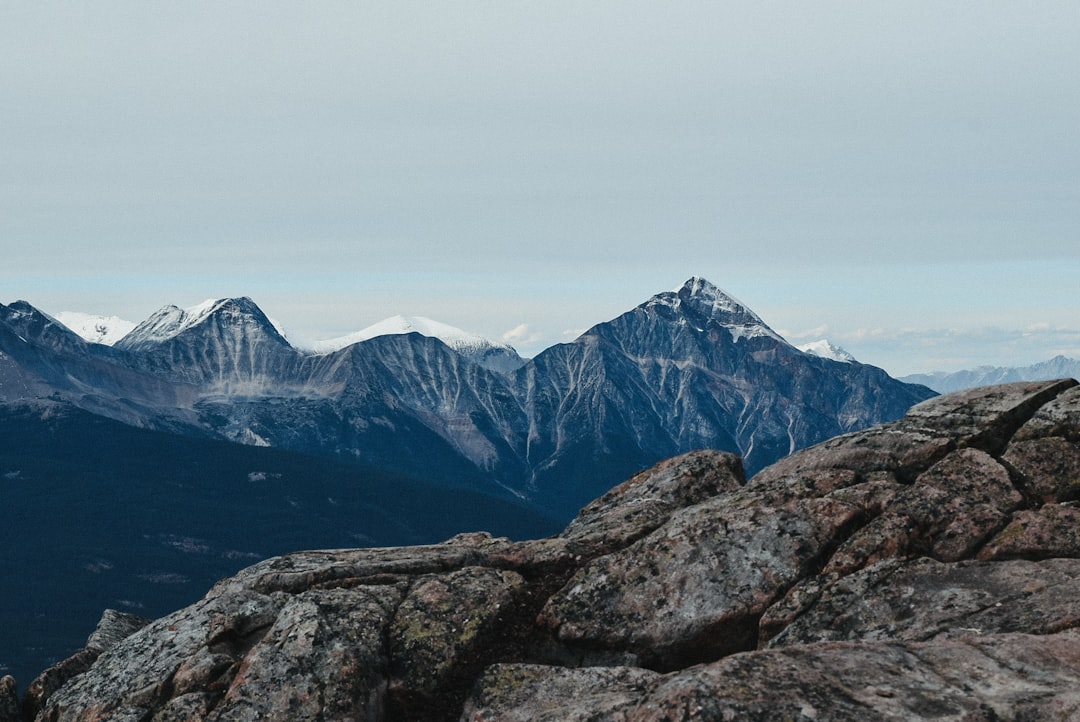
(227, 346)
(826, 349)
(489, 354)
(105, 330)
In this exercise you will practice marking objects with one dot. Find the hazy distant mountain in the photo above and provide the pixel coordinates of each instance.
(1058, 367)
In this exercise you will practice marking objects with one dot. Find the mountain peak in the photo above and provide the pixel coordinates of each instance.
(711, 301)
(31, 323)
(170, 321)
(701, 302)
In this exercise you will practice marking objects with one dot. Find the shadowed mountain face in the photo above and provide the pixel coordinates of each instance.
(691, 368)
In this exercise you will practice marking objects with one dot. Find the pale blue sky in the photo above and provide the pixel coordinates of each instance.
(903, 178)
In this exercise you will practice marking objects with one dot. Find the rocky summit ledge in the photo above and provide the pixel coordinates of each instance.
(924, 569)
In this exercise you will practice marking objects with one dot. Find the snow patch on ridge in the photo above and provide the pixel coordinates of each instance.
(105, 330)
(453, 337)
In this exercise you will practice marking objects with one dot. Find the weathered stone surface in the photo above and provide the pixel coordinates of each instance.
(323, 657)
(985, 418)
(1044, 533)
(1017, 677)
(1050, 467)
(949, 510)
(694, 590)
(540, 693)
(112, 628)
(443, 632)
(647, 500)
(982, 418)
(1058, 417)
(926, 569)
(926, 599)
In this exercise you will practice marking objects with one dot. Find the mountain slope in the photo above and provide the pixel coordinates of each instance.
(40, 358)
(692, 368)
(226, 346)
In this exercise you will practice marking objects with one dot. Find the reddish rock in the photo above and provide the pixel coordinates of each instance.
(1044, 533)
(1049, 467)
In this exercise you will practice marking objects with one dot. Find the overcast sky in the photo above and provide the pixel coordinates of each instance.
(902, 178)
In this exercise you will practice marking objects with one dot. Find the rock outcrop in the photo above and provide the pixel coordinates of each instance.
(924, 569)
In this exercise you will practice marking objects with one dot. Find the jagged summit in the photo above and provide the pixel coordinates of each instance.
(171, 321)
(698, 301)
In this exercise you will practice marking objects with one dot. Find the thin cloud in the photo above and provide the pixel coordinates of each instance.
(522, 334)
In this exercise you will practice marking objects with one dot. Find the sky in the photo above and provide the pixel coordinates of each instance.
(901, 178)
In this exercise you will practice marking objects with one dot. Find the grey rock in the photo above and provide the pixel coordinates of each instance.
(446, 630)
(695, 589)
(112, 628)
(648, 499)
(1001, 677)
(1049, 467)
(925, 599)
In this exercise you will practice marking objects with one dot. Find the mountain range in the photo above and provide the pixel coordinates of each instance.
(1059, 367)
(689, 368)
(145, 469)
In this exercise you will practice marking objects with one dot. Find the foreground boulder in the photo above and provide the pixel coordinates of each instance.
(924, 569)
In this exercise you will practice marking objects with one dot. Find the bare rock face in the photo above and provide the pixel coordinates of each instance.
(9, 700)
(925, 569)
(1002, 677)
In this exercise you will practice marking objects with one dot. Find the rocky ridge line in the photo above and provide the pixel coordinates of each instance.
(924, 569)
